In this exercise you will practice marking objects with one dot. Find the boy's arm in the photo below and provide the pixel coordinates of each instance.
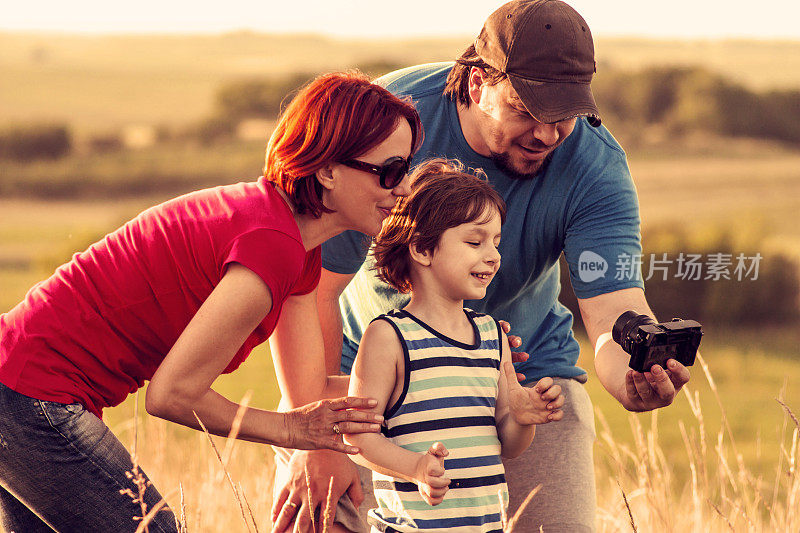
(378, 366)
(519, 409)
(514, 438)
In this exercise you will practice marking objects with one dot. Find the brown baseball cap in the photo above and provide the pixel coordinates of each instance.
(546, 50)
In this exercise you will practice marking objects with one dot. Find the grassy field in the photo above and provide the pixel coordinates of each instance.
(759, 64)
(748, 189)
(680, 469)
(158, 79)
(169, 168)
(102, 83)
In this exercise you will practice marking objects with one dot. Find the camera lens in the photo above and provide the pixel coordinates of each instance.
(624, 330)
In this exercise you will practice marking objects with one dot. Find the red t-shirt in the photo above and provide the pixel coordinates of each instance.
(100, 326)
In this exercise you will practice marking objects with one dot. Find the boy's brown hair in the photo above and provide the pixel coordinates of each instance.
(443, 196)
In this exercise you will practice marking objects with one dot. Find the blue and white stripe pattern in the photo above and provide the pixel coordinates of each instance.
(449, 396)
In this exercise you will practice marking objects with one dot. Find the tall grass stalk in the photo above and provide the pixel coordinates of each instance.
(232, 437)
(181, 522)
(720, 494)
(311, 502)
(700, 485)
(514, 520)
(141, 482)
(330, 506)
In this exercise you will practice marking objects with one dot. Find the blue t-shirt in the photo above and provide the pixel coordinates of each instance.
(583, 204)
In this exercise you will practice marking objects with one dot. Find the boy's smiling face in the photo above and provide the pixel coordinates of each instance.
(466, 259)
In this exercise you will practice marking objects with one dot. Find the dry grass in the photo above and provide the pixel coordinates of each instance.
(183, 463)
(639, 489)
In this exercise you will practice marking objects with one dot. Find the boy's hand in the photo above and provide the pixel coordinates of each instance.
(538, 405)
(430, 474)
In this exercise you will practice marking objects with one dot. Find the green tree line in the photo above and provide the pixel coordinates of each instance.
(687, 99)
(680, 100)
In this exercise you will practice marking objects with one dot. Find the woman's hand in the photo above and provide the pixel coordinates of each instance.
(320, 425)
(430, 474)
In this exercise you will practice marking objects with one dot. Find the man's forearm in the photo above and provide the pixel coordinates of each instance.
(336, 386)
(611, 361)
(330, 319)
(611, 365)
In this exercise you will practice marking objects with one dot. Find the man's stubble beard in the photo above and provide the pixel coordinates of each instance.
(502, 161)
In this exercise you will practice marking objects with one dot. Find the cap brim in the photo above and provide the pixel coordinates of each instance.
(551, 102)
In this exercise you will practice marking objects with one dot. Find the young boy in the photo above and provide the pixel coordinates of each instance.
(442, 374)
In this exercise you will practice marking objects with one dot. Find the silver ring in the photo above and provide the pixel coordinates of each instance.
(336, 429)
(292, 505)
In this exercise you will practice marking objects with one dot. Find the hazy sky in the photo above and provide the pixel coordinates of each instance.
(370, 18)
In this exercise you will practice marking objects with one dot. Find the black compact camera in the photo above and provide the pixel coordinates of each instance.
(652, 344)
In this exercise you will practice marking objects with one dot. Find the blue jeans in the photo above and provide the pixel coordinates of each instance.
(62, 469)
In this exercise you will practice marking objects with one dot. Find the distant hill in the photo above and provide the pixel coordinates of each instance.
(97, 83)
(758, 64)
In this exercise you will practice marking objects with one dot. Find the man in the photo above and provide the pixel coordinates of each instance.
(518, 104)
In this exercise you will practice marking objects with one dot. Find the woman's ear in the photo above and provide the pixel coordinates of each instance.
(418, 255)
(325, 177)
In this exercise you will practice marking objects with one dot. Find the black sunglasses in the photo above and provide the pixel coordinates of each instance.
(390, 174)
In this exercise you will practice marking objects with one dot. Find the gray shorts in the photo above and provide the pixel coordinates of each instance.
(560, 459)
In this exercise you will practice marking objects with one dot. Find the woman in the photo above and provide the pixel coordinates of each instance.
(181, 294)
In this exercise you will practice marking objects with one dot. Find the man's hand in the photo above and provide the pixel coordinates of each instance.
(657, 388)
(634, 390)
(292, 503)
(538, 405)
(515, 342)
(432, 483)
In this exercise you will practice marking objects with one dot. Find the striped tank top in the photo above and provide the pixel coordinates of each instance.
(449, 395)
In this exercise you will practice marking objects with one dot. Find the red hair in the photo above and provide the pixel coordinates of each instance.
(336, 117)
